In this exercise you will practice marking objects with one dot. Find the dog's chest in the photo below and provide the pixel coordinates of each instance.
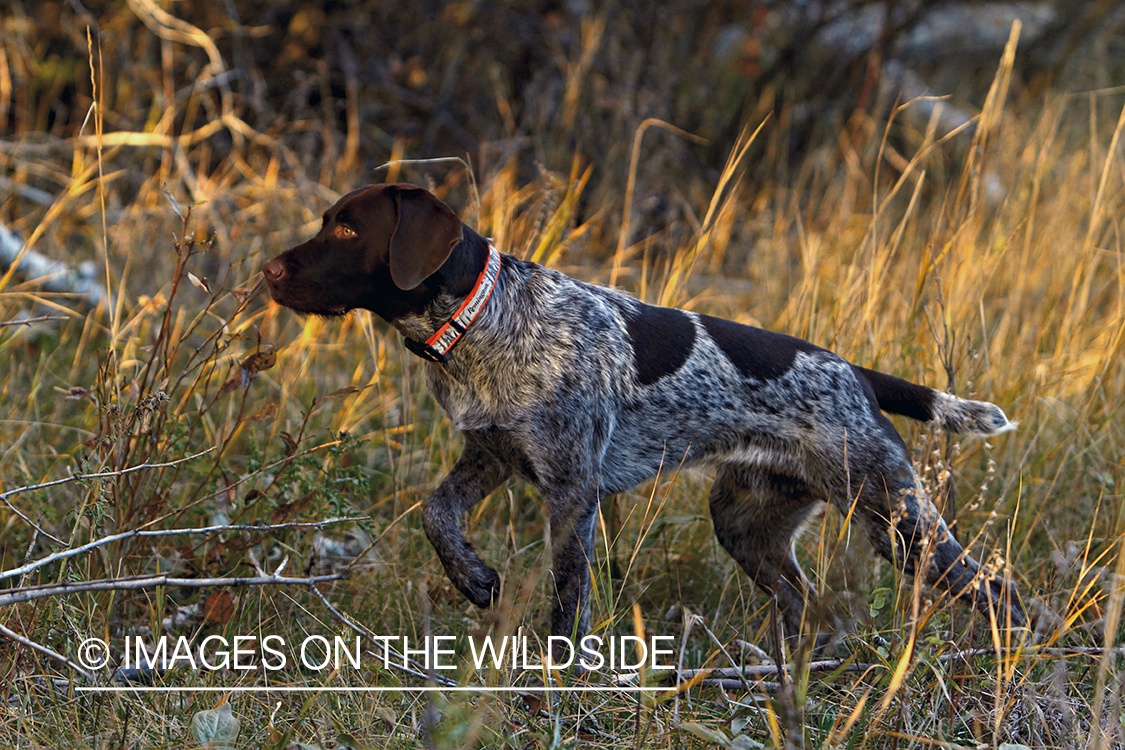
(471, 403)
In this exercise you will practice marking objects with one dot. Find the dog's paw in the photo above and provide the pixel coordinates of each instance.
(482, 588)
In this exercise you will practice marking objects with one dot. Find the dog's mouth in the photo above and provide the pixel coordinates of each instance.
(332, 311)
(305, 306)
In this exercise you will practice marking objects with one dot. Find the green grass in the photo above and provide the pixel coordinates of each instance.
(993, 269)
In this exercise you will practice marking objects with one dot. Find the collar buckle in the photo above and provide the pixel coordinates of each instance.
(425, 351)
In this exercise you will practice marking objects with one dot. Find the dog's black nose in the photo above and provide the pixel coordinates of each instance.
(273, 270)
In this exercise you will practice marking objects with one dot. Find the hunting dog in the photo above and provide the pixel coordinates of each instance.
(584, 391)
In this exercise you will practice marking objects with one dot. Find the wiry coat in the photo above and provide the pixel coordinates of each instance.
(585, 392)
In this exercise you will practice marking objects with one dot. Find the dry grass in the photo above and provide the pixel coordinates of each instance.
(992, 268)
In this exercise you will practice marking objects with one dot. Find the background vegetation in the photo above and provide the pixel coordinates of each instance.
(179, 145)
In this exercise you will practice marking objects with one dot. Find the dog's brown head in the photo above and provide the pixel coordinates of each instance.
(378, 249)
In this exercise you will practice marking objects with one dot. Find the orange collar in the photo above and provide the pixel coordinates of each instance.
(436, 348)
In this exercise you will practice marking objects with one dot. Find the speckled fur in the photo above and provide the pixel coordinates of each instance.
(545, 386)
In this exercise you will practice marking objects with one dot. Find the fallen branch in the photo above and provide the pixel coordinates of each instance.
(50, 275)
(30, 593)
(733, 678)
(731, 686)
(23, 569)
(770, 670)
(44, 650)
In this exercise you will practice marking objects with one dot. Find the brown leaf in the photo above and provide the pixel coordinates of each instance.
(346, 391)
(219, 607)
(259, 361)
(231, 493)
(102, 442)
(290, 443)
(264, 412)
(231, 385)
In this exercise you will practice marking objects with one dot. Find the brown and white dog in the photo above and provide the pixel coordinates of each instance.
(584, 391)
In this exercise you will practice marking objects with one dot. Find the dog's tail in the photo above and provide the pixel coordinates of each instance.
(960, 415)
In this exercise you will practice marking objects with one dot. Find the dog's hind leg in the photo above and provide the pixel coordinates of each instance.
(905, 527)
(756, 515)
(476, 474)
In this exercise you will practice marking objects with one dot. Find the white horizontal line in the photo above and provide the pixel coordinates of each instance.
(375, 689)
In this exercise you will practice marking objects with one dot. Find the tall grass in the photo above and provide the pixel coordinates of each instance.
(987, 263)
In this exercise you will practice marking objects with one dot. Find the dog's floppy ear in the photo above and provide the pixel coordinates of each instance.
(425, 232)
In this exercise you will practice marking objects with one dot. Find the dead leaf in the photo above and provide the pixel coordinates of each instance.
(231, 385)
(219, 607)
(201, 283)
(259, 361)
(346, 391)
(231, 493)
(264, 412)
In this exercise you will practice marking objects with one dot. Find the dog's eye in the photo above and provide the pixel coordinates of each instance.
(343, 231)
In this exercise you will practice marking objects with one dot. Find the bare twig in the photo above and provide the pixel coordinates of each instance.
(29, 593)
(44, 650)
(38, 529)
(101, 475)
(76, 478)
(727, 677)
(767, 670)
(168, 532)
(732, 685)
(29, 321)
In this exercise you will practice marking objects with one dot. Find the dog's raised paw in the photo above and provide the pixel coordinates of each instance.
(483, 588)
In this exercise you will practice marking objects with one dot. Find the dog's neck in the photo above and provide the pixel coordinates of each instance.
(466, 261)
(462, 285)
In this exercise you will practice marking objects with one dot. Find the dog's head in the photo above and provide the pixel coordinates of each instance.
(376, 250)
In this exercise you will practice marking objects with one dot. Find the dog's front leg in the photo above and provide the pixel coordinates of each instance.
(573, 522)
(477, 473)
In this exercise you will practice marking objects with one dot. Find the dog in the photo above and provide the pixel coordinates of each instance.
(584, 392)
